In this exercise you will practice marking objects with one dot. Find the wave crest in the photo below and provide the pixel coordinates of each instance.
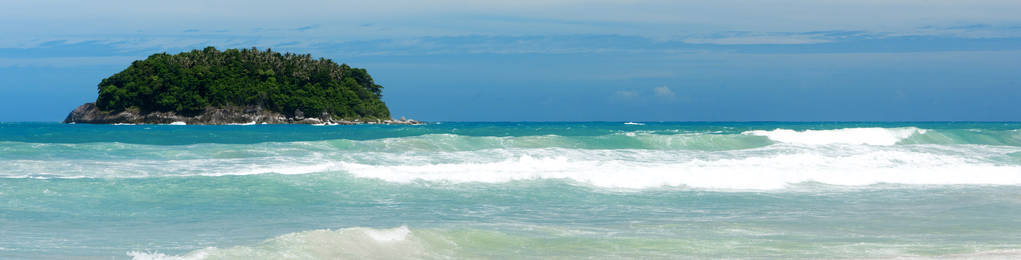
(869, 136)
(762, 169)
(542, 242)
(347, 243)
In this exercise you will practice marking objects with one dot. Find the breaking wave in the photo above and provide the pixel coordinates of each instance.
(869, 136)
(760, 169)
(756, 159)
(772, 167)
(348, 243)
(549, 242)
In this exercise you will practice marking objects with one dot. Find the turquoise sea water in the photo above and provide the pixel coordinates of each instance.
(511, 190)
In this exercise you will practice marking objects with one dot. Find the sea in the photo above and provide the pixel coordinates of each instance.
(512, 190)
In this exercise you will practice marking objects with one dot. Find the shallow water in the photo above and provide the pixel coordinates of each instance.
(499, 190)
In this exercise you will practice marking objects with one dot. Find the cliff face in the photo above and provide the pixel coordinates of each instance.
(89, 113)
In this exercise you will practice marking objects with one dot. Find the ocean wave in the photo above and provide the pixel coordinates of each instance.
(765, 168)
(766, 172)
(438, 142)
(546, 242)
(757, 159)
(709, 141)
(869, 136)
(622, 140)
(348, 243)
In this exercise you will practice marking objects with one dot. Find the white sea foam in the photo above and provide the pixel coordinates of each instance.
(178, 123)
(36, 169)
(149, 255)
(657, 169)
(544, 242)
(348, 243)
(870, 136)
(282, 169)
(997, 254)
(401, 160)
(772, 167)
(389, 235)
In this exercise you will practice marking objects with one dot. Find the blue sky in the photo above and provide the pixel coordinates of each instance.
(561, 60)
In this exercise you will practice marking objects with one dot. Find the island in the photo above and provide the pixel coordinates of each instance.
(237, 86)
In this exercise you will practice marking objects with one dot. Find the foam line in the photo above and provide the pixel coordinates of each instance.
(870, 136)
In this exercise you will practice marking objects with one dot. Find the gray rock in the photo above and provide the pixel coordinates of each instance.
(89, 113)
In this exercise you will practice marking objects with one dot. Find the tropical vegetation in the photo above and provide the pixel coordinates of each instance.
(189, 82)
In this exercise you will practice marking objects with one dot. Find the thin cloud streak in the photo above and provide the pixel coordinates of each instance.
(671, 20)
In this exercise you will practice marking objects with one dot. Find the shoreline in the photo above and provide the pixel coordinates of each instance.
(89, 113)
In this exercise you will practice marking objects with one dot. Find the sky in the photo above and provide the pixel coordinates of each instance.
(560, 60)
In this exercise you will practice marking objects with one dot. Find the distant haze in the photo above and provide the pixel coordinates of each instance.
(561, 60)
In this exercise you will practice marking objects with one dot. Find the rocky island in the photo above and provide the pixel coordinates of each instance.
(237, 86)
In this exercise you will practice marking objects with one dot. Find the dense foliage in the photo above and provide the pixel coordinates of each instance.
(189, 82)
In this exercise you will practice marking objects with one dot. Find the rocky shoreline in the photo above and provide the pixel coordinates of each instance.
(88, 113)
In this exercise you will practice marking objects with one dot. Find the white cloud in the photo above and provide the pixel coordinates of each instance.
(343, 20)
(664, 92)
(66, 61)
(762, 39)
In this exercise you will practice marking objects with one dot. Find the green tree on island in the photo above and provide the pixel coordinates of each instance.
(189, 82)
